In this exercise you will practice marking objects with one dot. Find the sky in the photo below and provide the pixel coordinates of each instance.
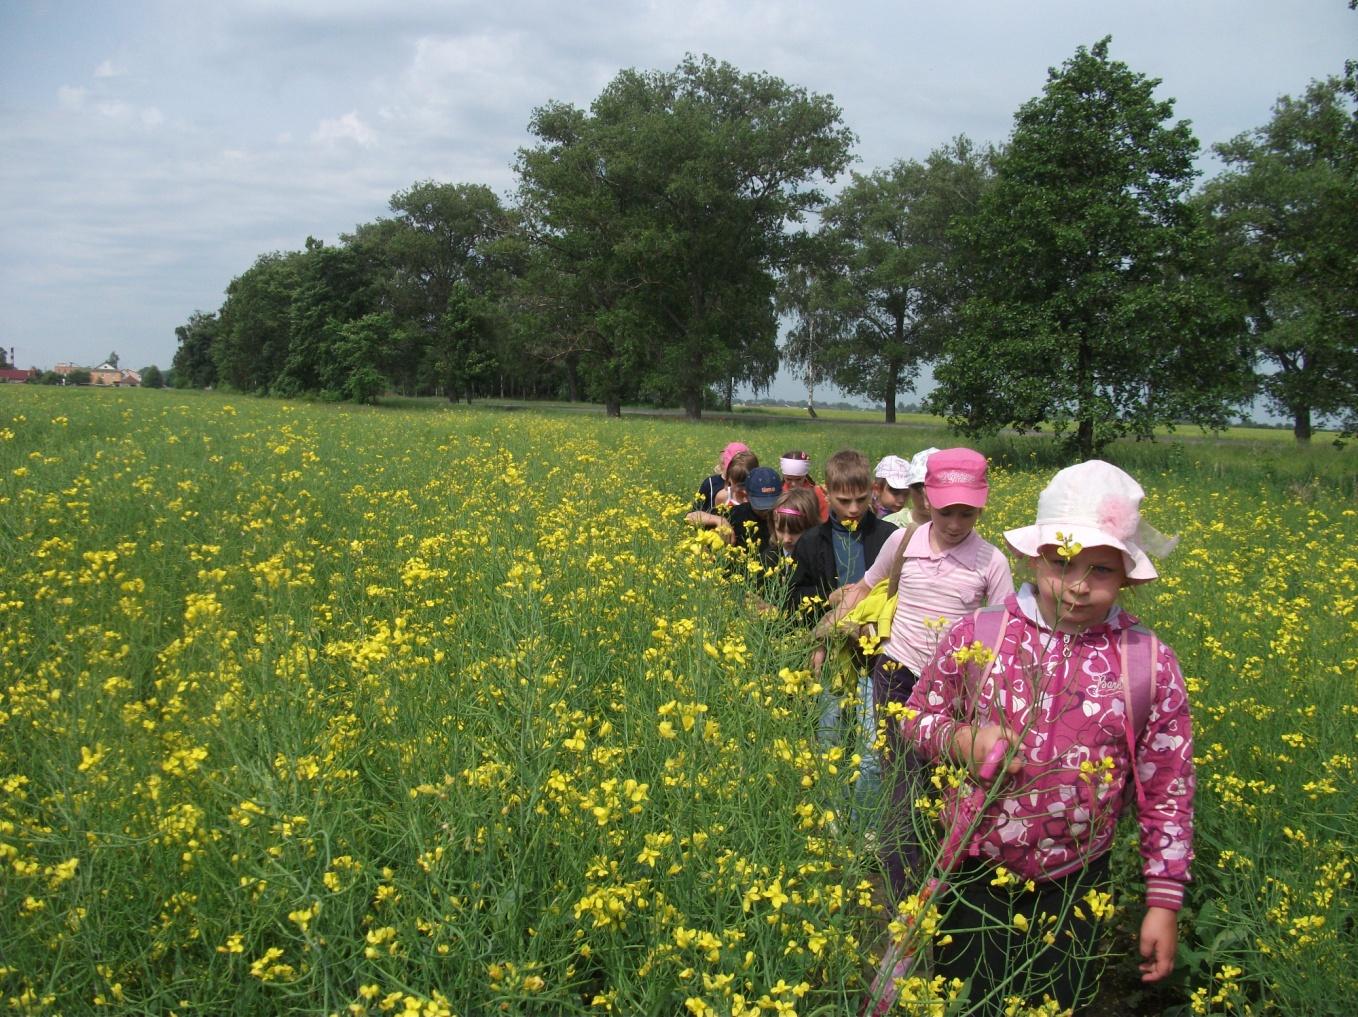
(151, 151)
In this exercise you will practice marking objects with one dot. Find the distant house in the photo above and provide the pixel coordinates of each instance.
(107, 374)
(64, 368)
(14, 376)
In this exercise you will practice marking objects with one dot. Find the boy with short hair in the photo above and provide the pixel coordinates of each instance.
(839, 552)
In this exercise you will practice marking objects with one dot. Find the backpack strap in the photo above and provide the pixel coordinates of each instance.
(988, 627)
(1139, 650)
(894, 580)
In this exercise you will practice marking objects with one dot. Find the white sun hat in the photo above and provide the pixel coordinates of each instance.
(919, 465)
(1094, 504)
(895, 471)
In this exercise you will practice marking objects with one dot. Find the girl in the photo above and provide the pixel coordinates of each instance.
(1081, 701)
(795, 512)
(706, 498)
(944, 570)
(796, 467)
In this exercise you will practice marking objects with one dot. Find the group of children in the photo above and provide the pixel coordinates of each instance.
(1054, 687)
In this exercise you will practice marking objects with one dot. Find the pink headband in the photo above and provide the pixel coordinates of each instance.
(783, 510)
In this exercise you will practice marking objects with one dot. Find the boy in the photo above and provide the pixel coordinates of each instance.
(839, 552)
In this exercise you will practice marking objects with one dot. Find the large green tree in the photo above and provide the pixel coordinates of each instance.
(444, 282)
(897, 294)
(194, 365)
(1286, 210)
(251, 347)
(665, 208)
(1092, 310)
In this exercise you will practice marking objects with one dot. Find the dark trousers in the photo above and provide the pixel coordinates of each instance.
(903, 770)
(1000, 958)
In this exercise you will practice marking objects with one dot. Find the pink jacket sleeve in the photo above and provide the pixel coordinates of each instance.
(1164, 763)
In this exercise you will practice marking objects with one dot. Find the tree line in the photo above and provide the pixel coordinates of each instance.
(658, 243)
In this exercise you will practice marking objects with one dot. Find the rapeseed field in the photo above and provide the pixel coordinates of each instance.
(310, 709)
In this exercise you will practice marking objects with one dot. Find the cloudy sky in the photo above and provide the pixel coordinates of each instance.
(150, 151)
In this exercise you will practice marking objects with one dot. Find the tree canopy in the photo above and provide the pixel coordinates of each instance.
(1091, 308)
(663, 209)
(1286, 211)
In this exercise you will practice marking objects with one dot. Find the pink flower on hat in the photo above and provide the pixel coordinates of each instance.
(1118, 515)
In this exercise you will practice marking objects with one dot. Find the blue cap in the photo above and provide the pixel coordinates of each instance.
(763, 486)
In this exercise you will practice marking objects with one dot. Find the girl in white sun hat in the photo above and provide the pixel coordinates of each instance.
(1080, 703)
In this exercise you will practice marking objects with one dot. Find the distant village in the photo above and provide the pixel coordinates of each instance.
(108, 374)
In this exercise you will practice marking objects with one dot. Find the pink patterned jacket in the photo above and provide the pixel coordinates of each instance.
(1063, 695)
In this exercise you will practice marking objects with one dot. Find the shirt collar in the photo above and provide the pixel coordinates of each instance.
(966, 554)
(1026, 595)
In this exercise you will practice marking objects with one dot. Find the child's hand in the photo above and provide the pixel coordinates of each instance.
(1159, 941)
(973, 744)
(817, 659)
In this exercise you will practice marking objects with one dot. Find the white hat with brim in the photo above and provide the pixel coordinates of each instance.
(1094, 504)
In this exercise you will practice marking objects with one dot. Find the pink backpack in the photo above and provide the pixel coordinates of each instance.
(1138, 649)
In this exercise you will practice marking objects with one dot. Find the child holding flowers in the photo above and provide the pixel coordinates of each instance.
(1082, 703)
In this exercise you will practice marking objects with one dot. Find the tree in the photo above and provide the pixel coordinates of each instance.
(194, 364)
(665, 207)
(252, 346)
(439, 252)
(1286, 213)
(151, 377)
(897, 295)
(1091, 305)
(806, 296)
(112, 359)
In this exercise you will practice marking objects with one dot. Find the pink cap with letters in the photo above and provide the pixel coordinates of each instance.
(956, 476)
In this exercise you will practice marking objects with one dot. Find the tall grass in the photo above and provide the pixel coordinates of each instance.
(319, 709)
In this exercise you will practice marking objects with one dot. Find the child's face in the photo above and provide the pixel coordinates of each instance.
(953, 524)
(919, 504)
(1078, 593)
(847, 504)
(892, 499)
(790, 482)
(785, 538)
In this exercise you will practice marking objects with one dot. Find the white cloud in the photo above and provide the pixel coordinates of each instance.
(71, 97)
(108, 69)
(348, 128)
(152, 117)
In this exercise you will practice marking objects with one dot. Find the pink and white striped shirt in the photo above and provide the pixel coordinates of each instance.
(950, 584)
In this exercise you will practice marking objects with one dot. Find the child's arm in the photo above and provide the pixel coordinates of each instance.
(1164, 760)
(710, 520)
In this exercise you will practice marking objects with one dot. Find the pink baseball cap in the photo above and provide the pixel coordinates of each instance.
(730, 452)
(956, 476)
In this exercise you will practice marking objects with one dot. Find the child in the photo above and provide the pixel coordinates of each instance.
(796, 467)
(706, 498)
(945, 570)
(916, 508)
(836, 554)
(736, 471)
(1068, 673)
(746, 522)
(795, 512)
(890, 486)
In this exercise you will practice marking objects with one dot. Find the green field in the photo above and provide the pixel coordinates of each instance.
(427, 709)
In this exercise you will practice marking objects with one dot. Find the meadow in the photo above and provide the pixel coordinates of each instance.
(316, 709)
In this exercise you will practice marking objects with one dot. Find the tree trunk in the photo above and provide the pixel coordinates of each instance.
(1084, 388)
(729, 395)
(612, 408)
(693, 405)
(891, 392)
(1301, 425)
(573, 378)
